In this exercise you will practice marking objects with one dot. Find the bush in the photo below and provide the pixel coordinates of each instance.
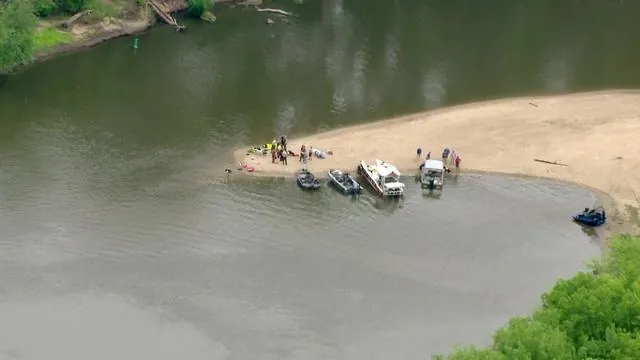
(101, 10)
(17, 26)
(198, 7)
(44, 8)
(72, 6)
(594, 315)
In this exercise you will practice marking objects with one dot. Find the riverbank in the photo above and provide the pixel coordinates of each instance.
(51, 38)
(594, 134)
(92, 33)
(87, 35)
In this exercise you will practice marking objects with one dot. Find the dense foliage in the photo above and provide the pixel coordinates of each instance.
(199, 7)
(17, 26)
(594, 315)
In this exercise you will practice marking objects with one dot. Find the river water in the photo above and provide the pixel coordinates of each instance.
(121, 238)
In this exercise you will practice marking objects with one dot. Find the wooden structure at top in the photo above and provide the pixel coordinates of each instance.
(165, 15)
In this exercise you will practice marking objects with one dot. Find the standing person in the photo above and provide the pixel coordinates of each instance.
(445, 154)
(310, 153)
(283, 142)
(284, 157)
(274, 143)
(274, 154)
(457, 161)
(303, 153)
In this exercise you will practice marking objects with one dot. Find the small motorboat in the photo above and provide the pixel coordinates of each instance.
(591, 217)
(432, 174)
(306, 180)
(344, 182)
(383, 177)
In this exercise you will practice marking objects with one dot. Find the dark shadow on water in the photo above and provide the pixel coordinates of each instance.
(3, 80)
(389, 205)
(591, 232)
(433, 194)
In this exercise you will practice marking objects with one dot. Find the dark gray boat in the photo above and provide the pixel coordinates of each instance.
(344, 182)
(306, 180)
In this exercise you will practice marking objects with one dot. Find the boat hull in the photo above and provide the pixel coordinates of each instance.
(431, 184)
(307, 181)
(589, 220)
(355, 188)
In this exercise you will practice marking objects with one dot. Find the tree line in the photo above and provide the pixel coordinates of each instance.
(18, 22)
(593, 316)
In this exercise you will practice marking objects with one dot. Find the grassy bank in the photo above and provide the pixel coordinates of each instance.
(37, 29)
(48, 37)
(31, 27)
(594, 315)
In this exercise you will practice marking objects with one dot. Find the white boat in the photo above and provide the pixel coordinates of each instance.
(432, 174)
(383, 177)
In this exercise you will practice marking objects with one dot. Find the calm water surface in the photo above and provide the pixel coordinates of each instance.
(120, 238)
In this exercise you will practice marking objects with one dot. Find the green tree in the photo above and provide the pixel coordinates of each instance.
(472, 353)
(199, 7)
(529, 339)
(17, 26)
(72, 6)
(594, 315)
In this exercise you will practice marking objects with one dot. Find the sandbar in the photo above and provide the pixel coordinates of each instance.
(596, 134)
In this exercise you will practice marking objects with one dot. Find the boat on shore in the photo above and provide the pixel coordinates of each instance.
(306, 180)
(344, 182)
(432, 174)
(591, 217)
(383, 177)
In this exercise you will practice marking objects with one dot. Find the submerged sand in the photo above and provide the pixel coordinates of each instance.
(596, 134)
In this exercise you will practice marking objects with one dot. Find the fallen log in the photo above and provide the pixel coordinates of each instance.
(550, 162)
(69, 22)
(276, 11)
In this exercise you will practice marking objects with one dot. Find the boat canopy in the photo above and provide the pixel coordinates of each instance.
(385, 169)
(433, 165)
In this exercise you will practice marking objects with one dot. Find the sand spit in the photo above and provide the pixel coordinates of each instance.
(597, 134)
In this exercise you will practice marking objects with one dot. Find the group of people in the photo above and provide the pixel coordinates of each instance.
(279, 150)
(446, 155)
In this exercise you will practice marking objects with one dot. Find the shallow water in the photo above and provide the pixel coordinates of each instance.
(120, 238)
(261, 269)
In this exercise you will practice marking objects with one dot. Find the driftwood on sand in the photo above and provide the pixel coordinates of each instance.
(550, 162)
(275, 11)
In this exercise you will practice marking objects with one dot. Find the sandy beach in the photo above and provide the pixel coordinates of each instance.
(596, 134)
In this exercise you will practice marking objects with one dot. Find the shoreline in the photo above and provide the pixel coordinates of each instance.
(95, 33)
(591, 132)
(123, 27)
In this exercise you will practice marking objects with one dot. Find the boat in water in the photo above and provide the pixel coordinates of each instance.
(345, 182)
(591, 217)
(306, 180)
(383, 177)
(432, 174)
